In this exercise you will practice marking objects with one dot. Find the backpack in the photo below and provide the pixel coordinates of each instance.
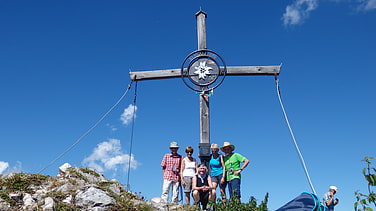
(303, 202)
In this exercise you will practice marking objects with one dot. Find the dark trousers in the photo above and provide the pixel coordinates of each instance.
(204, 198)
(234, 187)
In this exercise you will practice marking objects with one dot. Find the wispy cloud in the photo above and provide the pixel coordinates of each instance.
(15, 168)
(127, 116)
(367, 5)
(109, 156)
(299, 11)
(3, 166)
(112, 127)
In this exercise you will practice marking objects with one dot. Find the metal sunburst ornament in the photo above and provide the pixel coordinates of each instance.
(203, 70)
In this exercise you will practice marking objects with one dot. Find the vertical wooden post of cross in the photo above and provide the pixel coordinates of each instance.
(204, 145)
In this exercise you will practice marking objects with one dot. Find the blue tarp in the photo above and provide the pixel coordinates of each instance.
(304, 202)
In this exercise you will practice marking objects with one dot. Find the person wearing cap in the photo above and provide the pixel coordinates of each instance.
(328, 199)
(234, 164)
(171, 163)
(187, 172)
(216, 170)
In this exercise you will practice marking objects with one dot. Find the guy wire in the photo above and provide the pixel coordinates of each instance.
(293, 137)
(132, 132)
(88, 131)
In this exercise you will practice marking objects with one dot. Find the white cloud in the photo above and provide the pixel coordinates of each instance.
(3, 166)
(16, 168)
(112, 127)
(6, 168)
(367, 5)
(297, 12)
(109, 156)
(127, 116)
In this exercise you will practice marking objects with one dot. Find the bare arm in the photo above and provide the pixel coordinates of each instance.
(210, 183)
(327, 203)
(196, 170)
(331, 199)
(182, 166)
(163, 164)
(163, 169)
(245, 164)
(223, 165)
(223, 170)
(194, 183)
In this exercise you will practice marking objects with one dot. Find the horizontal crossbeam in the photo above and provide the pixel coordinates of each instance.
(176, 73)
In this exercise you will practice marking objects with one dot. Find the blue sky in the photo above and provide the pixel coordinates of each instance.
(64, 64)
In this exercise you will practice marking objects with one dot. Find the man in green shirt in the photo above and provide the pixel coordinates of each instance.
(233, 168)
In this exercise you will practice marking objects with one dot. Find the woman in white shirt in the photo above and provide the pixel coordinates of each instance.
(187, 171)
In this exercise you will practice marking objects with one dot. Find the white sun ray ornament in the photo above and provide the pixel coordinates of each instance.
(202, 70)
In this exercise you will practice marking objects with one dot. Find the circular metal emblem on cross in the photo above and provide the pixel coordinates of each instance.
(203, 70)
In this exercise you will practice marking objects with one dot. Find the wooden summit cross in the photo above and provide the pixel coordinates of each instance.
(205, 70)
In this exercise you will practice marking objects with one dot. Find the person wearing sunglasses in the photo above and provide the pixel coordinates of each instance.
(216, 170)
(188, 170)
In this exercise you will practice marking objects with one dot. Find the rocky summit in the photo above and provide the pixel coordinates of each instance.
(74, 189)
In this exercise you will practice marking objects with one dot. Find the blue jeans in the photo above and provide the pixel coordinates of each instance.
(234, 185)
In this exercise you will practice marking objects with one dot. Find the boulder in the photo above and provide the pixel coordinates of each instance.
(28, 202)
(93, 197)
(4, 206)
(49, 204)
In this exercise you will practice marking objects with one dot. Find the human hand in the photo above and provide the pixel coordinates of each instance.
(236, 173)
(222, 180)
(205, 188)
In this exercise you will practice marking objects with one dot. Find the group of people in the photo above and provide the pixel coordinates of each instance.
(200, 180)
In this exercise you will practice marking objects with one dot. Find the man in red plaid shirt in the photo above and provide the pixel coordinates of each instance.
(171, 173)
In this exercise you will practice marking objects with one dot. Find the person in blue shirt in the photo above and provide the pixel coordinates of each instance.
(216, 170)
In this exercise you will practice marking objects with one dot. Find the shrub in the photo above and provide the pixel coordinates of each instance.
(363, 201)
(234, 204)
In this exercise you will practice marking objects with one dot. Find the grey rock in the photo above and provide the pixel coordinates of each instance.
(49, 204)
(115, 188)
(16, 197)
(4, 206)
(93, 197)
(28, 202)
(39, 194)
(78, 189)
(67, 187)
(68, 200)
(159, 204)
